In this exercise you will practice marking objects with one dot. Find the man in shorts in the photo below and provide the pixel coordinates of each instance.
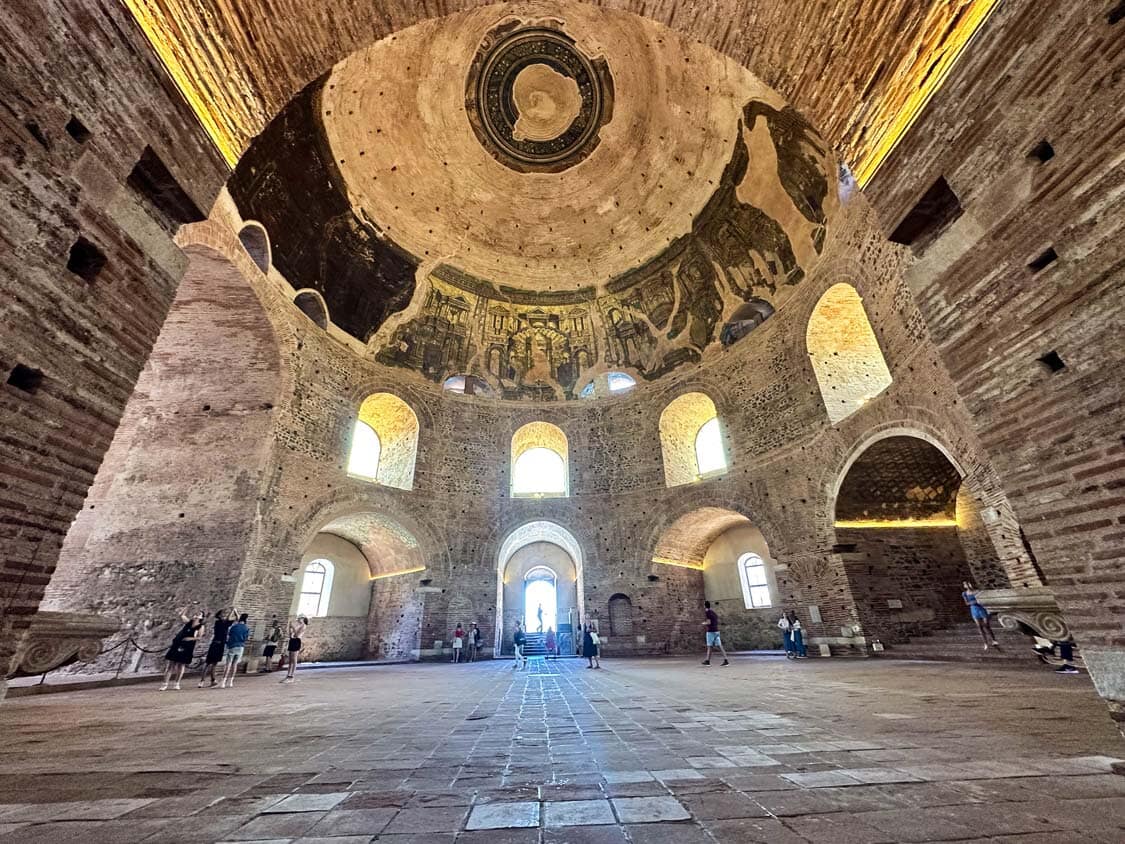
(237, 637)
(519, 639)
(714, 640)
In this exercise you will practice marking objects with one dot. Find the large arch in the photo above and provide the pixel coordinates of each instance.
(395, 426)
(236, 88)
(691, 440)
(540, 452)
(528, 534)
(203, 410)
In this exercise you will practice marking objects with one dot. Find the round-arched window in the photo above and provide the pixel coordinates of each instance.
(539, 470)
(316, 588)
(755, 585)
(363, 460)
(709, 456)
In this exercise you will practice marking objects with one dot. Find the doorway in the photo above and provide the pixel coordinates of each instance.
(540, 600)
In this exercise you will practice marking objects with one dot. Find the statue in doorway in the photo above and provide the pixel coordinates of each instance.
(539, 614)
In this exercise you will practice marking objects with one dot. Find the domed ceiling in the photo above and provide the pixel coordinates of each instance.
(538, 194)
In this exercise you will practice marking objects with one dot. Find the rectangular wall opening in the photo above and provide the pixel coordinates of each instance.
(77, 130)
(932, 215)
(25, 378)
(1052, 362)
(86, 260)
(1042, 152)
(1044, 260)
(163, 197)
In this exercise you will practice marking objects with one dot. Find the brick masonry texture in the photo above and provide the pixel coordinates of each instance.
(1048, 441)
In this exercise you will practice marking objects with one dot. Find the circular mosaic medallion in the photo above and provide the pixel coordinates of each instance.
(535, 101)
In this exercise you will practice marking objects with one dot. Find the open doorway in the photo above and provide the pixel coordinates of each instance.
(540, 601)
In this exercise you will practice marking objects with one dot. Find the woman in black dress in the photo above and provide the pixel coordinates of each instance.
(180, 655)
(222, 625)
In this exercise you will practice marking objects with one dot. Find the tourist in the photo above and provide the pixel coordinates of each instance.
(714, 640)
(980, 615)
(551, 643)
(296, 630)
(272, 638)
(539, 612)
(474, 643)
(786, 634)
(182, 651)
(590, 647)
(237, 637)
(458, 643)
(519, 639)
(796, 636)
(220, 627)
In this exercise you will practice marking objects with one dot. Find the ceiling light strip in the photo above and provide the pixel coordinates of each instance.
(936, 66)
(398, 573)
(668, 561)
(896, 523)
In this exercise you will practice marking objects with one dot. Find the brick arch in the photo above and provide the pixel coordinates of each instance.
(256, 241)
(788, 44)
(679, 425)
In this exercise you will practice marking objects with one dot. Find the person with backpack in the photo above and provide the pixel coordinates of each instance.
(797, 636)
(590, 647)
(237, 637)
(474, 643)
(458, 643)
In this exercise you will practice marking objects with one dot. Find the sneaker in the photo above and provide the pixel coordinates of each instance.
(176, 687)
(164, 688)
(726, 662)
(995, 644)
(706, 662)
(1067, 669)
(200, 686)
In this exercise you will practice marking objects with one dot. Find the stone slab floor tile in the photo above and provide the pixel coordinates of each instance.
(838, 829)
(578, 813)
(440, 819)
(309, 802)
(336, 839)
(417, 838)
(292, 825)
(503, 816)
(751, 831)
(499, 836)
(353, 822)
(667, 833)
(585, 835)
(640, 810)
(731, 804)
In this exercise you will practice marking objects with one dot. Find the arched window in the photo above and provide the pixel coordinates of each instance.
(539, 470)
(316, 588)
(755, 587)
(709, 455)
(619, 381)
(539, 461)
(256, 242)
(384, 442)
(587, 392)
(845, 354)
(311, 304)
(691, 440)
(363, 461)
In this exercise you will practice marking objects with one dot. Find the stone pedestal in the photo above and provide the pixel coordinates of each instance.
(55, 639)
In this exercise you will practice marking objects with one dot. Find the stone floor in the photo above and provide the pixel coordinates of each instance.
(765, 750)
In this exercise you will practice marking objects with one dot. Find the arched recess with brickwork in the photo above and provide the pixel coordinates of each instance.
(691, 440)
(909, 533)
(540, 462)
(705, 547)
(311, 303)
(845, 354)
(384, 443)
(538, 544)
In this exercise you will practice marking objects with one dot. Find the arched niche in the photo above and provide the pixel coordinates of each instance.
(691, 441)
(846, 358)
(717, 542)
(256, 241)
(312, 305)
(395, 428)
(373, 610)
(540, 466)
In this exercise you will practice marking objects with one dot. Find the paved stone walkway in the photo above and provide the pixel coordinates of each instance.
(654, 751)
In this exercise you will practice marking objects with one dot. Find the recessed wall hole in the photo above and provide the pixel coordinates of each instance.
(1042, 152)
(1052, 362)
(77, 130)
(938, 208)
(33, 129)
(160, 193)
(1116, 14)
(25, 378)
(86, 260)
(1043, 261)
